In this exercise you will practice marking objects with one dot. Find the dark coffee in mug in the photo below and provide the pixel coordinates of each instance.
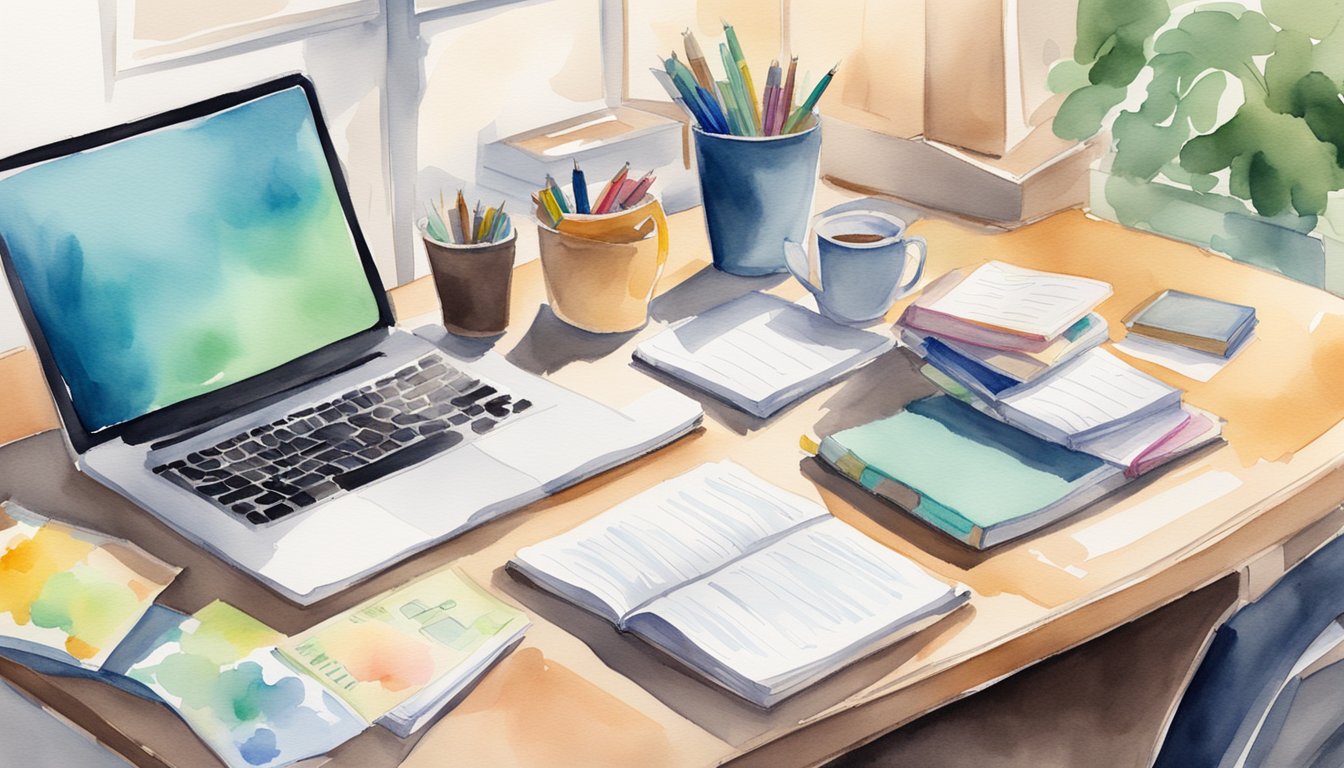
(858, 237)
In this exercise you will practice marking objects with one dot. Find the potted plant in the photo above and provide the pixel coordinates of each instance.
(1227, 124)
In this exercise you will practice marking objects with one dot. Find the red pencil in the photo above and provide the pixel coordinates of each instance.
(638, 190)
(607, 199)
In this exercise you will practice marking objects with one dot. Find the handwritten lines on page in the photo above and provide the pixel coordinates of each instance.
(1023, 300)
(1091, 392)
(670, 534)
(800, 600)
(760, 348)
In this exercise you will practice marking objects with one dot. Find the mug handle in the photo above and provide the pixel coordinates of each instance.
(919, 269)
(659, 223)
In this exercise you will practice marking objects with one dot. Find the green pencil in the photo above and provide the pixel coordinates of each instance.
(749, 97)
(730, 108)
(739, 90)
(810, 103)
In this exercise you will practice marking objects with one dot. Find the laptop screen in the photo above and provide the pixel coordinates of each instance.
(178, 261)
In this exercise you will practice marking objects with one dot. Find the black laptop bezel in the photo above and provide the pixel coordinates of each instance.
(221, 403)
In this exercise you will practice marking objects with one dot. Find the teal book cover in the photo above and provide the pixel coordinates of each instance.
(972, 477)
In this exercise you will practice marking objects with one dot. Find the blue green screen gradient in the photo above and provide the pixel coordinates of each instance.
(183, 260)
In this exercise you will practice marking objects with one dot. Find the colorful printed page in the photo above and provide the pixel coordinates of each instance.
(68, 593)
(384, 652)
(220, 671)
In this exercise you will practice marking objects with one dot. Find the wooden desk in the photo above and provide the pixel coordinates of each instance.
(577, 692)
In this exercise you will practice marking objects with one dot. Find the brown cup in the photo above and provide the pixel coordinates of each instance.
(473, 283)
(600, 270)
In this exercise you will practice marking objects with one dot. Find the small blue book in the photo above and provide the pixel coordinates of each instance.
(1197, 322)
(966, 474)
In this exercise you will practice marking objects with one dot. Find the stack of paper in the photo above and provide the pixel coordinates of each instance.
(759, 590)
(1022, 346)
(760, 352)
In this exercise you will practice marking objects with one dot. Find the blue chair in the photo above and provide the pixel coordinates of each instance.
(1246, 698)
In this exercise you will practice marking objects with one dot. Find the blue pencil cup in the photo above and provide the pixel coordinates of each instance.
(757, 193)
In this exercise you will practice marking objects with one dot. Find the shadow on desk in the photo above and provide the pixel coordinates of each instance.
(705, 290)
(723, 714)
(551, 344)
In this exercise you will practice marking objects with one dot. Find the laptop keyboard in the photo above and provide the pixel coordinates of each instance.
(272, 471)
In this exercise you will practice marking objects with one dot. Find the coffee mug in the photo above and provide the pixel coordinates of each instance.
(600, 270)
(859, 257)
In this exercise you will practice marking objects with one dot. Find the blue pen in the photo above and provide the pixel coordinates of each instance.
(580, 190)
(682, 96)
(712, 110)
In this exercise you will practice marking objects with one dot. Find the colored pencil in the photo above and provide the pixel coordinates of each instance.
(476, 218)
(696, 57)
(434, 225)
(674, 93)
(735, 126)
(718, 121)
(558, 193)
(741, 62)
(497, 224)
(641, 189)
(739, 90)
(464, 218)
(810, 103)
(548, 205)
(770, 99)
(580, 190)
(786, 96)
(684, 83)
(607, 198)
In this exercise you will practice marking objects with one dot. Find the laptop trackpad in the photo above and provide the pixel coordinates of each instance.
(345, 537)
(442, 495)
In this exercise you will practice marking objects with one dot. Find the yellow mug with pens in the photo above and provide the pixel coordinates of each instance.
(600, 268)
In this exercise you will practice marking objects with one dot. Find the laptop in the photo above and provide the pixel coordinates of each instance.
(222, 353)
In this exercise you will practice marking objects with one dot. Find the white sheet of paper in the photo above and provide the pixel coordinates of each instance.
(1020, 299)
(670, 534)
(798, 601)
(1192, 363)
(1096, 389)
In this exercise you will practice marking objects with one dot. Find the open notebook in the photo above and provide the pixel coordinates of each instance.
(757, 589)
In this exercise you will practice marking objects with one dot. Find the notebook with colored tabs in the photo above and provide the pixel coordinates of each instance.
(973, 477)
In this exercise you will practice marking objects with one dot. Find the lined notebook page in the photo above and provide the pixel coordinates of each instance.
(1022, 300)
(802, 600)
(757, 345)
(1096, 389)
(669, 534)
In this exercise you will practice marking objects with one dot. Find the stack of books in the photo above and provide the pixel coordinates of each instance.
(1022, 346)
(1037, 422)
